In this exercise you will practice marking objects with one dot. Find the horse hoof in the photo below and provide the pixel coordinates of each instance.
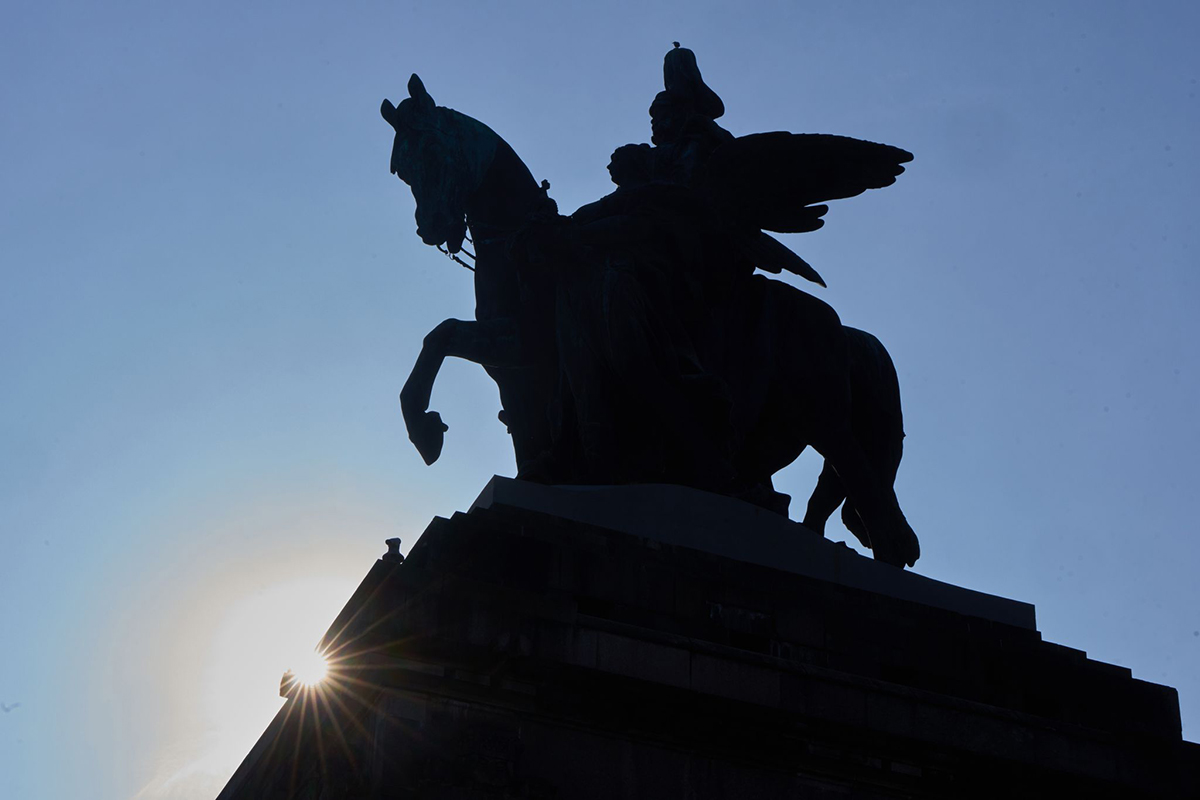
(889, 557)
(914, 552)
(897, 554)
(428, 436)
(912, 546)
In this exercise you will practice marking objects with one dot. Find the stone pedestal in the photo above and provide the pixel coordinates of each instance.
(658, 642)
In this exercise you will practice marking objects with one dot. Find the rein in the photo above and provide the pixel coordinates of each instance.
(456, 259)
(548, 205)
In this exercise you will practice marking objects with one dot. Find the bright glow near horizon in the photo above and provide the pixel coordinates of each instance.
(263, 635)
(238, 635)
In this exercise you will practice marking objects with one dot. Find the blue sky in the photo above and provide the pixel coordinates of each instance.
(212, 293)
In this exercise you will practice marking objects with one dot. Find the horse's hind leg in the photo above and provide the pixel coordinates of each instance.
(892, 539)
(854, 524)
(885, 459)
(829, 494)
(825, 499)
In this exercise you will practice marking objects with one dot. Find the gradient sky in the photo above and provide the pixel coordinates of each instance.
(212, 293)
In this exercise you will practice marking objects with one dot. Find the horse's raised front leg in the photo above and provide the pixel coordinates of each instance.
(492, 343)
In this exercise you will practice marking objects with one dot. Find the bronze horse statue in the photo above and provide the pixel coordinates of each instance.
(795, 375)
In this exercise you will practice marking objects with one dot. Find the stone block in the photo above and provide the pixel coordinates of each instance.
(641, 660)
(890, 714)
(516, 653)
(735, 680)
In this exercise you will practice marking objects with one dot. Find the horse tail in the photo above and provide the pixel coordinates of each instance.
(876, 416)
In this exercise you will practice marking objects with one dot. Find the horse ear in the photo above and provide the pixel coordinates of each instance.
(421, 98)
(389, 113)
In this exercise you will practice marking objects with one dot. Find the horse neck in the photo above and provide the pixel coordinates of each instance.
(505, 198)
(496, 210)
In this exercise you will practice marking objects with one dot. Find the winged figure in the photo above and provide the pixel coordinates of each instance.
(775, 181)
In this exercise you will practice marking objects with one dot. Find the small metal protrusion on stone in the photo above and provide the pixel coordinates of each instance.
(288, 684)
(393, 552)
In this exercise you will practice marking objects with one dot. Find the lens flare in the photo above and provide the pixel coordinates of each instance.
(312, 669)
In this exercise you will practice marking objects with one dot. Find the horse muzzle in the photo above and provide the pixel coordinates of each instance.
(449, 233)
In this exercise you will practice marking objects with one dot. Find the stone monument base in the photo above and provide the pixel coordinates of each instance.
(659, 642)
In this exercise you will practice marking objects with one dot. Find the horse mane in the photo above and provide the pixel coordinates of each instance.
(507, 192)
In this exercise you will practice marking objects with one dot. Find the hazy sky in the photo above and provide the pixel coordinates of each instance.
(212, 293)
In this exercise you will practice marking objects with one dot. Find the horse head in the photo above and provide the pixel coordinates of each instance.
(443, 155)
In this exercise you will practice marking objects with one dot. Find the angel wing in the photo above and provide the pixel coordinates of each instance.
(777, 181)
(771, 255)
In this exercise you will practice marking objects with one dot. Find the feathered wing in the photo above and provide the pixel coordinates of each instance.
(771, 255)
(776, 181)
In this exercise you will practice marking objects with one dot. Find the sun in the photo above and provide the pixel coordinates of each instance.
(311, 669)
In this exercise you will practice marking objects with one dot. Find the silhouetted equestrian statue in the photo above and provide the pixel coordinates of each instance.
(633, 341)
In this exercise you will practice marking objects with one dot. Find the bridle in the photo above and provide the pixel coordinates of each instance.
(456, 259)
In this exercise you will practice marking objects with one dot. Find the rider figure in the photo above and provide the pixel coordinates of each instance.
(682, 118)
(627, 311)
